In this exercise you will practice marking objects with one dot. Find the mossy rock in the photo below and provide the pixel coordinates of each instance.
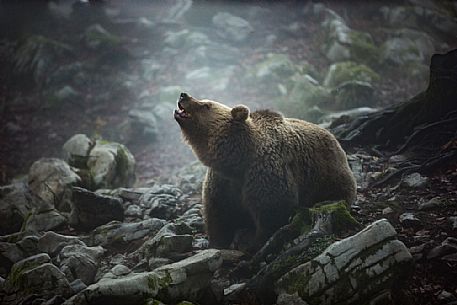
(349, 71)
(353, 94)
(338, 217)
(363, 49)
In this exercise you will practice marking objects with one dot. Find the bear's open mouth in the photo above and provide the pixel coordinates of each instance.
(181, 112)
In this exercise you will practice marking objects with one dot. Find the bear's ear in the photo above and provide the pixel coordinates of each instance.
(240, 113)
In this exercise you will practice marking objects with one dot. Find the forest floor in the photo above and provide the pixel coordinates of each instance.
(29, 131)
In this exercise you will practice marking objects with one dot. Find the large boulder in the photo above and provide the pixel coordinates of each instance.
(91, 210)
(35, 275)
(111, 165)
(51, 180)
(117, 233)
(51, 242)
(76, 150)
(80, 262)
(161, 201)
(40, 221)
(185, 280)
(232, 27)
(16, 204)
(362, 267)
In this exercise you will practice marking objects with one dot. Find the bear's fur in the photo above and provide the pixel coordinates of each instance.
(261, 166)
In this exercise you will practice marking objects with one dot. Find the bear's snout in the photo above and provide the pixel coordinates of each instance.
(183, 96)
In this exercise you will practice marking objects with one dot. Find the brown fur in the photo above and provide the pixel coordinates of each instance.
(261, 166)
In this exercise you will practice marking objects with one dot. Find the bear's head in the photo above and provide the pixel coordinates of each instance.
(216, 132)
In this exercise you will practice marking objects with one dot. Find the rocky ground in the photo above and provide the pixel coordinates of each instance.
(116, 79)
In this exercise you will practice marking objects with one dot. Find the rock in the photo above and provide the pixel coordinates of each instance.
(189, 278)
(76, 150)
(303, 95)
(344, 43)
(190, 177)
(232, 27)
(217, 78)
(122, 233)
(353, 94)
(111, 165)
(45, 221)
(407, 46)
(177, 11)
(156, 262)
(171, 241)
(446, 296)
(435, 202)
(36, 275)
(387, 211)
(51, 242)
(77, 286)
(16, 203)
(80, 262)
(120, 270)
(415, 180)
(91, 210)
(410, 220)
(134, 210)
(162, 201)
(96, 37)
(343, 72)
(193, 218)
(447, 247)
(52, 180)
(453, 222)
(185, 39)
(10, 253)
(346, 273)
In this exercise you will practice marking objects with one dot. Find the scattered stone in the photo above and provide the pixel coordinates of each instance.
(446, 296)
(121, 233)
(111, 165)
(177, 11)
(77, 286)
(45, 221)
(156, 262)
(10, 253)
(134, 210)
(435, 202)
(190, 177)
(344, 271)
(172, 240)
(120, 270)
(415, 180)
(409, 220)
(36, 275)
(447, 247)
(387, 211)
(64, 95)
(91, 210)
(76, 150)
(51, 242)
(232, 27)
(453, 222)
(80, 262)
(162, 201)
(52, 180)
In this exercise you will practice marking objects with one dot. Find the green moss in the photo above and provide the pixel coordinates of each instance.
(349, 71)
(15, 278)
(363, 48)
(342, 219)
(301, 221)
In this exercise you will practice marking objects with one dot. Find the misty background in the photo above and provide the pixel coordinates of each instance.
(114, 69)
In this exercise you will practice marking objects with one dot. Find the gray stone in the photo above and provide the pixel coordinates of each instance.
(80, 262)
(176, 12)
(232, 27)
(45, 221)
(76, 149)
(446, 296)
(77, 286)
(407, 46)
(51, 242)
(189, 178)
(120, 270)
(16, 204)
(447, 247)
(156, 262)
(171, 240)
(162, 201)
(10, 253)
(36, 275)
(134, 210)
(111, 165)
(353, 94)
(415, 180)
(343, 72)
(453, 222)
(216, 78)
(52, 180)
(191, 276)
(91, 210)
(434, 202)
(117, 232)
(410, 220)
(65, 94)
(387, 211)
(346, 272)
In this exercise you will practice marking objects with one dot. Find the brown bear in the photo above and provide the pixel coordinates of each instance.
(261, 166)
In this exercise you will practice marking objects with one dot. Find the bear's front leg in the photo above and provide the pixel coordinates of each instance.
(271, 197)
(222, 210)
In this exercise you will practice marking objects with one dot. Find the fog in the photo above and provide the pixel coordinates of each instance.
(114, 69)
